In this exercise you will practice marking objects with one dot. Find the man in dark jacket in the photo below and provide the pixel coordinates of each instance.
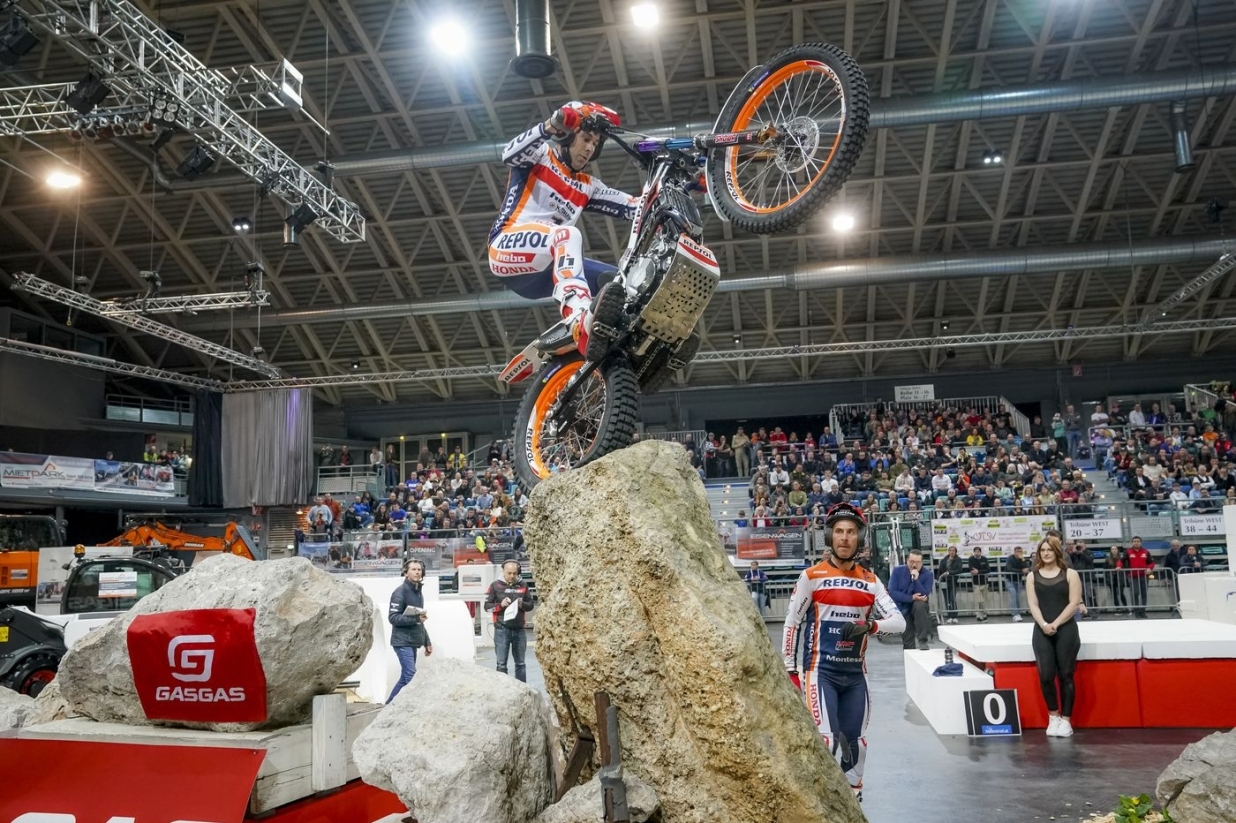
(1082, 562)
(979, 567)
(407, 616)
(910, 587)
(508, 600)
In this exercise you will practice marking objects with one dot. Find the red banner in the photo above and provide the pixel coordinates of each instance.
(198, 665)
(69, 781)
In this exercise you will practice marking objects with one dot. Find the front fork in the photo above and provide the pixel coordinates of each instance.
(564, 403)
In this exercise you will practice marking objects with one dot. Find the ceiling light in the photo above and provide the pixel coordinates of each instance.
(944, 326)
(645, 15)
(63, 180)
(88, 93)
(355, 365)
(449, 36)
(241, 224)
(993, 158)
(16, 39)
(843, 221)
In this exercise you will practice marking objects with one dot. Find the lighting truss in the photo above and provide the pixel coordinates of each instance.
(106, 364)
(769, 353)
(137, 57)
(189, 303)
(42, 288)
(1224, 265)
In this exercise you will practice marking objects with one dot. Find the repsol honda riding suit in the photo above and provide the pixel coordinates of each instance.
(534, 245)
(834, 676)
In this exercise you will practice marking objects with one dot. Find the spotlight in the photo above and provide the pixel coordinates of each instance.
(302, 218)
(950, 352)
(91, 129)
(843, 222)
(241, 224)
(16, 39)
(63, 180)
(355, 365)
(196, 163)
(738, 340)
(89, 92)
(162, 139)
(449, 36)
(992, 158)
(944, 326)
(645, 15)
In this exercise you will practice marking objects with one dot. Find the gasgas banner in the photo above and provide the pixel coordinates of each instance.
(124, 782)
(198, 665)
(996, 536)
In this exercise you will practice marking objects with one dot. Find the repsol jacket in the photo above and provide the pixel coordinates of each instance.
(500, 590)
(407, 630)
(541, 188)
(825, 598)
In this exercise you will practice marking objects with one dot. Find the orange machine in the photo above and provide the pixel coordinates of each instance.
(236, 540)
(21, 537)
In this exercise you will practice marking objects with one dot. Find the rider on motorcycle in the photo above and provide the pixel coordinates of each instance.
(534, 245)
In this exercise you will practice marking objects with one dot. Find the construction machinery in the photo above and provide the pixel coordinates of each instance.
(153, 535)
(21, 537)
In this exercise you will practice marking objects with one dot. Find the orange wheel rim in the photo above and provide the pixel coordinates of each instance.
(534, 436)
(742, 122)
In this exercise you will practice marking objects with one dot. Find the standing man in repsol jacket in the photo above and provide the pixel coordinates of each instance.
(508, 600)
(407, 617)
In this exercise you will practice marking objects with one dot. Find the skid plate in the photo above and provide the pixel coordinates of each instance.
(683, 295)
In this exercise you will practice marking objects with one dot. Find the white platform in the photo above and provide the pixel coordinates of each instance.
(1103, 640)
(1208, 596)
(941, 699)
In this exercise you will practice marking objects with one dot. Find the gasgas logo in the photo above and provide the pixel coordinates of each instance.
(191, 659)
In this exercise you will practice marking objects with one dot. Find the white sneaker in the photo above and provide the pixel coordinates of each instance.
(1017, 618)
(1064, 728)
(1053, 726)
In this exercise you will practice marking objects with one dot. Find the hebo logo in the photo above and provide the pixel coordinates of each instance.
(200, 665)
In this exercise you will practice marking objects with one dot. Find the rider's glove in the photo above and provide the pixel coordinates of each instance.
(565, 120)
(794, 679)
(855, 631)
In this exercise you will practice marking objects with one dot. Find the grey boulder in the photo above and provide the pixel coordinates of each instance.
(49, 705)
(1200, 785)
(312, 630)
(585, 804)
(638, 599)
(15, 709)
(461, 743)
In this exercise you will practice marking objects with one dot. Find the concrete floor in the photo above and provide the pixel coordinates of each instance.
(913, 774)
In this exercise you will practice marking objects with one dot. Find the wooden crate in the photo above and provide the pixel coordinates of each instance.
(300, 760)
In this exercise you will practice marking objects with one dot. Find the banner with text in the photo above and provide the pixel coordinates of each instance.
(40, 471)
(1201, 525)
(771, 547)
(996, 536)
(1100, 528)
(914, 394)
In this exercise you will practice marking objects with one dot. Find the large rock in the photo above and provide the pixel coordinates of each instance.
(585, 804)
(1200, 785)
(312, 629)
(461, 743)
(638, 599)
(15, 709)
(49, 705)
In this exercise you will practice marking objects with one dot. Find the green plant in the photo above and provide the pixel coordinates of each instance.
(1137, 809)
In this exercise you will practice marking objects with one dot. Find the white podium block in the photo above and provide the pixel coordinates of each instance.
(942, 699)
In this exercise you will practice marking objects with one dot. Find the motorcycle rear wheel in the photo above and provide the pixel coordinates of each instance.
(607, 408)
(815, 96)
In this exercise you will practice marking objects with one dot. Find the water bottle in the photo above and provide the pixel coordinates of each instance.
(948, 656)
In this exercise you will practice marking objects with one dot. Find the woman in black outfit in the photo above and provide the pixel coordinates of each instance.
(1054, 592)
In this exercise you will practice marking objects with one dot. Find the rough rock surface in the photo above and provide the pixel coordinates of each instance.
(638, 599)
(312, 630)
(1200, 785)
(584, 804)
(15, 709)
(461, 743)
(50, 705)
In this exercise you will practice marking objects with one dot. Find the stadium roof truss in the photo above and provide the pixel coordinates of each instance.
(411, 135)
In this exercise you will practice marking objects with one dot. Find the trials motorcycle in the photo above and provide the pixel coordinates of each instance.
(784, 143)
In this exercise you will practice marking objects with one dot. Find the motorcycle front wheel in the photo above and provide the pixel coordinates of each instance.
(599, 419)
(813, 98)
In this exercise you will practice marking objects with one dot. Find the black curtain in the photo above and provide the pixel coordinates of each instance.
(206, 476)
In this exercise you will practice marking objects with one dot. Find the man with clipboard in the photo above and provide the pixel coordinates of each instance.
(508, 600)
